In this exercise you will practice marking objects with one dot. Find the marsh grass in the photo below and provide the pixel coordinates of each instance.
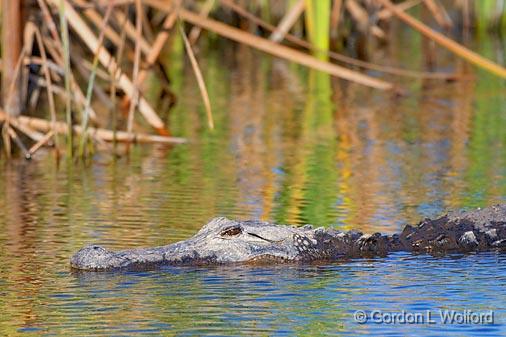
(91, 82)
(318, 26)
(301, 32)
(198, 75)
(66, 57)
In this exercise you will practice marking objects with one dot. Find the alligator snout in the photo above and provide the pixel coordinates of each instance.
(94, 257)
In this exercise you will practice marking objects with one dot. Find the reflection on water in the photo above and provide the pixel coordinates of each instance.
(290, 146)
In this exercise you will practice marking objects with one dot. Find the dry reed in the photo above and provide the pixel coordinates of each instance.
(59, 46)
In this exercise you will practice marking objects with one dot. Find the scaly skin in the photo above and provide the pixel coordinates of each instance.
(224, 241)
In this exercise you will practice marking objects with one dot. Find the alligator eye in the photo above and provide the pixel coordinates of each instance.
(232, 231)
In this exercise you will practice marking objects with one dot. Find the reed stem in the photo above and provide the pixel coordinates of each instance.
(318, 23)
(66, 60)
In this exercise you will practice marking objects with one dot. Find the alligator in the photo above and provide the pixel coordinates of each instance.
(225, 241)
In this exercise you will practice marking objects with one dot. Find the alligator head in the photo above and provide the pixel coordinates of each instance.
(220, 241)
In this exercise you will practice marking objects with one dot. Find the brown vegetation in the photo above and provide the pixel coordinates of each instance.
(64, 44)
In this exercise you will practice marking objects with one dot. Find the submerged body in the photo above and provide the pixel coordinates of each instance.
(224, 241)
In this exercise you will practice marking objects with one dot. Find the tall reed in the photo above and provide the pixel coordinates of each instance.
(318, 26)
(91, 83)
(66, 56)
(490, 14)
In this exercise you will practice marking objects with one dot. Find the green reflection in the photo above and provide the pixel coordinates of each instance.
(290, 145)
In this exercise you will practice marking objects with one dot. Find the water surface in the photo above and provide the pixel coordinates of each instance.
(291, 146)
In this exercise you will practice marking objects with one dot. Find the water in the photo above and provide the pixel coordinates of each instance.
(282, 300)
(291, 146)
